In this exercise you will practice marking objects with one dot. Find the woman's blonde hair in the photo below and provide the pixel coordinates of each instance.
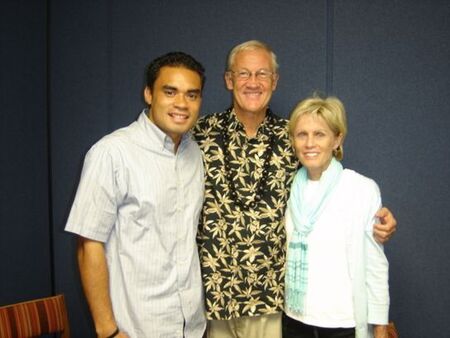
(331, 109)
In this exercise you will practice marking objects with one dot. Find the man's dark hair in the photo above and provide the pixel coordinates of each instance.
(173, 59)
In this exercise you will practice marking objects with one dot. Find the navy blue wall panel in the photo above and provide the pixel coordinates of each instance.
(79, 91)
(391, 67)
(25, 261)
(208, 30)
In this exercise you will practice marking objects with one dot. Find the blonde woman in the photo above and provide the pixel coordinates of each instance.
(337, 274)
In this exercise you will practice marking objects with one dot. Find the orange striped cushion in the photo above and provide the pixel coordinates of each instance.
(32, 318)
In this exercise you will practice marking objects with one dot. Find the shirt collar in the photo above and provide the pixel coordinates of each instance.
(264, 128)
(234, 123)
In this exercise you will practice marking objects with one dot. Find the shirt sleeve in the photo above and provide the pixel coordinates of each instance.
(94, 210)
(377, 267)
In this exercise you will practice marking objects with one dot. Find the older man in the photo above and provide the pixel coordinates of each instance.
(249, 166)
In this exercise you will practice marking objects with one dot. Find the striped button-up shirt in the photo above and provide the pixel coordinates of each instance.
(143, 201)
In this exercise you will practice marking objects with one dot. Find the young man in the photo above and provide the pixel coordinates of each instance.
(136, 213)
(249, 165)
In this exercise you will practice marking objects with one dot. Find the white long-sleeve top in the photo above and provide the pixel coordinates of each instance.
(348, 271)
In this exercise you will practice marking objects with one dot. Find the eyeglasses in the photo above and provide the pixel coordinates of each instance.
(244, 74)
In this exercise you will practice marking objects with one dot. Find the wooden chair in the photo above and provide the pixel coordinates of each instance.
(35, 318)
(392, 330)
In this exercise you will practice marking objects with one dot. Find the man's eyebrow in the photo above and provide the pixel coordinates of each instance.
(170, 87)
(190, 91)
(194, 91)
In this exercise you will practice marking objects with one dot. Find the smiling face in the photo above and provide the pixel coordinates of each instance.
(251, 96)
(314, 143)
(175, 101)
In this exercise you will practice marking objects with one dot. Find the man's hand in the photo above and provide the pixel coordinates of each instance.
(121, 335)
(118, 335)
(388, 225)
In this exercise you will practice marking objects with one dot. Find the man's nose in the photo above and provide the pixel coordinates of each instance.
(253, 78)
(180, 100)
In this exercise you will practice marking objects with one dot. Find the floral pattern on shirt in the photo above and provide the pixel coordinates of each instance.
(242, 244)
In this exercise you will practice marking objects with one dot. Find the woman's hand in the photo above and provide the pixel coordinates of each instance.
(380, 331)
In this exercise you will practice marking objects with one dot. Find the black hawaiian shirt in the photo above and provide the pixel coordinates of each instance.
(241, 233)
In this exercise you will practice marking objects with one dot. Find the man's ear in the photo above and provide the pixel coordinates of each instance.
(275, 81)
(148, 95)
(228, 80)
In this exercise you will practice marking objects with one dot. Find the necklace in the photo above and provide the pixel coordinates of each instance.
(262, 182)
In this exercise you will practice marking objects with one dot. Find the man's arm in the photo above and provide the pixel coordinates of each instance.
(387, 226)
(95, 280)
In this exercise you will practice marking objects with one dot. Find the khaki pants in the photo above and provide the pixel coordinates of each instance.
(265, 326)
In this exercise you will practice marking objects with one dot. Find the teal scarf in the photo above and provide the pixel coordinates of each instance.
(304, 215)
